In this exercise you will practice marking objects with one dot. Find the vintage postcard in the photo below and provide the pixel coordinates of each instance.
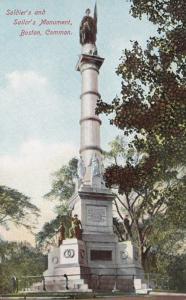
(85, 101)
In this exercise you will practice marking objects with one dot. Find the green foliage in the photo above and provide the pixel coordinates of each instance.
(63, 187)
(20, 260)
(176, 269)
(165, 14)
(15, 207)
(117, 150)
(48, 235)
(152, 100)
(152, 109)
(156, 206)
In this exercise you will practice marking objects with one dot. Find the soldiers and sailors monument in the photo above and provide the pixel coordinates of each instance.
(93, 251)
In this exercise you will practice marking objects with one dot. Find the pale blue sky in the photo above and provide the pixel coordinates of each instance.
(55, 58)
(39, 88)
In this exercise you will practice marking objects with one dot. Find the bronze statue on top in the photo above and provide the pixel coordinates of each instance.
(88, 28)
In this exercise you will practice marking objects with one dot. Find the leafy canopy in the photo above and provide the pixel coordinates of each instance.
(20, 260)
(15, 208)
(152, 109)
(63, 187)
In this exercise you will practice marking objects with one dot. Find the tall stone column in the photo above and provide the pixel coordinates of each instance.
(89, 66)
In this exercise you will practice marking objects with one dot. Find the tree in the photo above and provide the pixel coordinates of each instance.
(19, 260)
(63, 187)
(150, 202)
(15, 208)
(152, 109)
(177, 272)
(48, 235)
(152, 100)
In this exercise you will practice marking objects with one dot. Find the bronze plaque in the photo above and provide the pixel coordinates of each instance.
(101, 255)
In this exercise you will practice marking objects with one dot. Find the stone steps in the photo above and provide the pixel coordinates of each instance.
(141, 287)
(57, 285)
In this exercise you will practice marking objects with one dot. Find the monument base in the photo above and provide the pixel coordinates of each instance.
(67, 268)
(86, 270)
(98, 261)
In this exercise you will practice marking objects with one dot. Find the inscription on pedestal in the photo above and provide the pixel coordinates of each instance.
(96, 215)
(105, 255)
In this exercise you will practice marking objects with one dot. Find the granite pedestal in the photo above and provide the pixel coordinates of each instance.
(98, 261)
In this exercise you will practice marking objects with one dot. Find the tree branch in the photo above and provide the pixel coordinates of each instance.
(122, 203)
(118, 211)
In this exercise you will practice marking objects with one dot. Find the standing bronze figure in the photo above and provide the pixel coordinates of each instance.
(88, 28)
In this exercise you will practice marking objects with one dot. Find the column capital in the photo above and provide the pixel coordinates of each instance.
(89, 59)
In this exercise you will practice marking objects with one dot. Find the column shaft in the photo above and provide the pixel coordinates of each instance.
(90, 122)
